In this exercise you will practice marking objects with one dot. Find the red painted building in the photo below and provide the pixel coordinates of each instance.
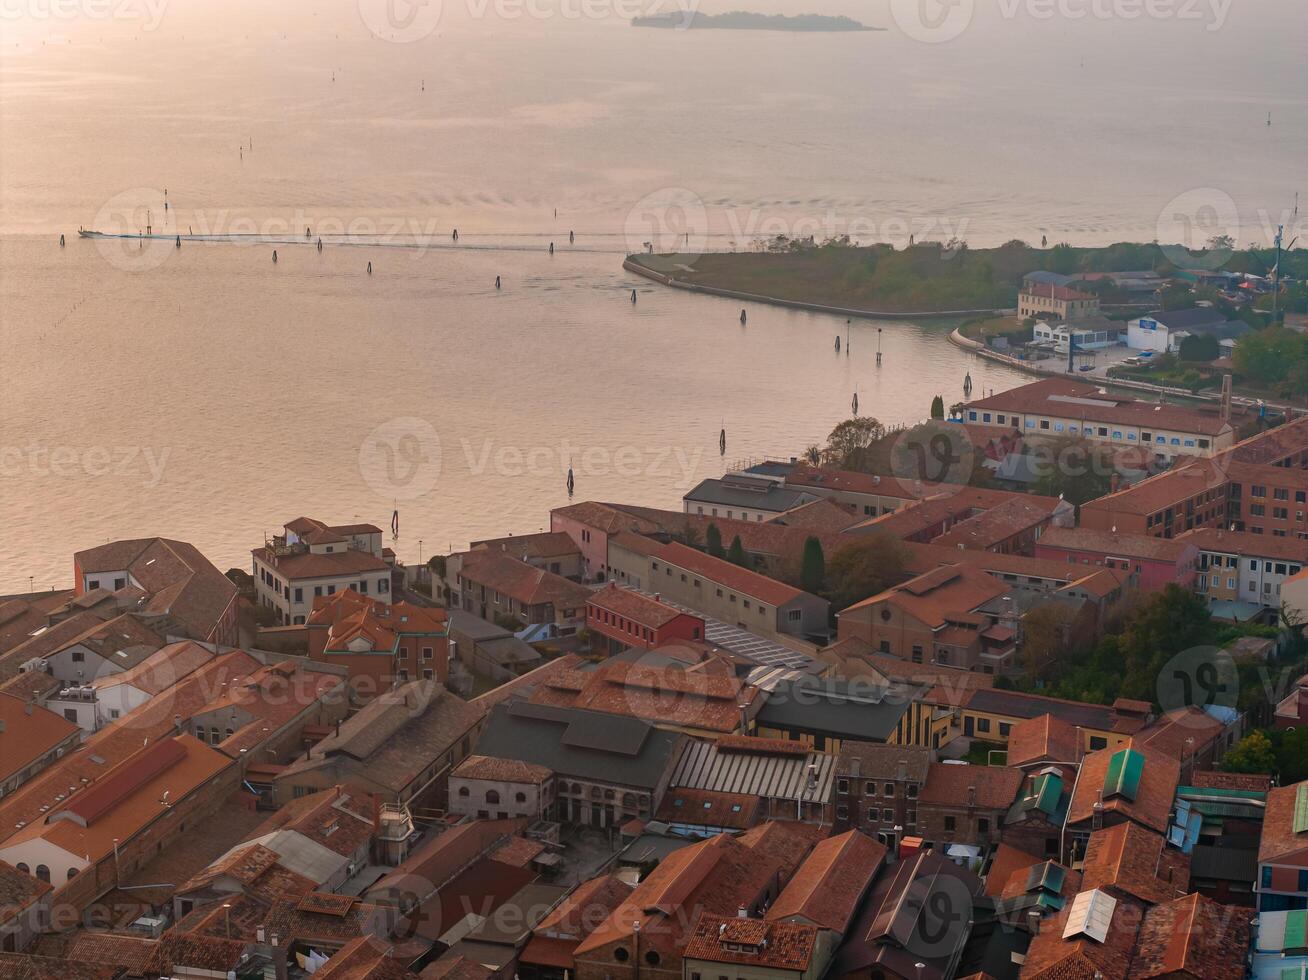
(1153, 563)
(626, 618)
(381, 645)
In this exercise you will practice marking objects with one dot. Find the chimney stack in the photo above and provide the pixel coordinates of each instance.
(742, 913)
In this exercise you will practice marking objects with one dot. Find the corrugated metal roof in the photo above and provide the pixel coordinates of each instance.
(703, 766)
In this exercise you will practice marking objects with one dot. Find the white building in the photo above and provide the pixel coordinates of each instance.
(1163, 332)
(314, 559)
(1089, 334)
(500, 789)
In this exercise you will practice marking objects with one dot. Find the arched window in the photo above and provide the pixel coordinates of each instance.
(72, 873)
(24, 868)
(520, 797)
(43, 872)
(492, 796)
(463, 791)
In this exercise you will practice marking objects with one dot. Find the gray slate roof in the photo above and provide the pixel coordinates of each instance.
(727, 493)
(580, 744)
(828, 708)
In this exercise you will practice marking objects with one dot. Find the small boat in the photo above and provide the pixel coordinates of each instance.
(497, 282)
(369, 268)
(742, 317)
(274, 256)
(455, 236)
(633, 297)
(62, 242)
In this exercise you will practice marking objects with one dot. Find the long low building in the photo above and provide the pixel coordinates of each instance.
(1061, 407)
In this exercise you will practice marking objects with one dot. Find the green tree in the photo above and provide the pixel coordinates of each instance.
(713, 541)
(863, 568)
(1270, 355)
(1165, 624)
(849, 444)
(1200, 347)
(1074, 469)
(736, 553)
(1253, 753)
(1291, 755)
(813, 570)
(938, 407)
(437, 564)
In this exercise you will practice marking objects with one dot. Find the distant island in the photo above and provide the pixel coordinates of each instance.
(740, 20)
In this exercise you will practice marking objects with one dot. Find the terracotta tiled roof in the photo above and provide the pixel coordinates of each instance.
(575, 915)
(1144, 546)
(27, 733)
(706, 808)
(1043, 739)
(822, 514)
(135, 953)
(1279, 839)
(178, 579)
(826, 889)
(306, 564)
(1245, 543)
(769, 944)
(1079, 957)
(126, 798)
(527, 584)
(724, 573)
(546, 544)
(1048, 290)
(644, 610)
(1193, 936)
(500, 770)
(995, 787)
(18, 890)
(20, 966)
(937, 595)
(716, 876)
(517, 852)
(706, 696)
(1152, 804)
(1127, 859)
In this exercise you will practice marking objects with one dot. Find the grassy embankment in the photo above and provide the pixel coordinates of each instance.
(879, 279)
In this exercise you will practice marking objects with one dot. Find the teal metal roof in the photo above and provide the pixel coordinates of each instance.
(1125, 770)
